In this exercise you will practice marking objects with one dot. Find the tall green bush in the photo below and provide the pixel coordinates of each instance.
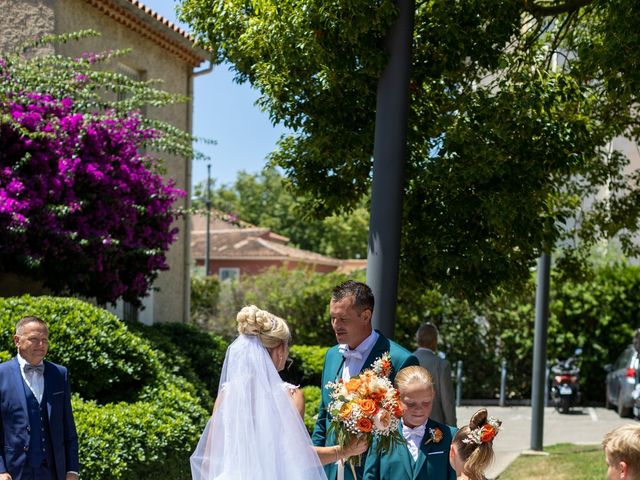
(597, 313)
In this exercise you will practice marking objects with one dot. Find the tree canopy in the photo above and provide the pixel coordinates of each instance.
(505, 151)
(82, 208)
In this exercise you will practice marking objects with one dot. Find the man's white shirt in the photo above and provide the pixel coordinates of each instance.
(352, 365)
(34, 380)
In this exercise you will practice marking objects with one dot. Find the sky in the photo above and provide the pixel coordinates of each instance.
(225, 112)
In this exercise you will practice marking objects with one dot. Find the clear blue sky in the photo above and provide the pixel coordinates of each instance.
(224, 111)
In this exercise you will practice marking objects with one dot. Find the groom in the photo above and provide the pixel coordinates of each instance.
(351, 309)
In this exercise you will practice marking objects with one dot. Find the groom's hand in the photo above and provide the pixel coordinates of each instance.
(69, 476)
(5, 476)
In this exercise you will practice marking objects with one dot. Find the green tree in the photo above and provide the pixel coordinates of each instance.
(266, 199)
(504, 152)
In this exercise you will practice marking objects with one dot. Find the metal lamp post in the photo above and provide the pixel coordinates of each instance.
(207, 243)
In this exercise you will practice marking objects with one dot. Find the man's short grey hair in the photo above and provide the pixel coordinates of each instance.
(27, 320)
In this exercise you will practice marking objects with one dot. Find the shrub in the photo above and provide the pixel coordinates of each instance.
(191, 353)
(148, 439)
(308, 361)
(205, 295)
(152, 428)
(312, 397)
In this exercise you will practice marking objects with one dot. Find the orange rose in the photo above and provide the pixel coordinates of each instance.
(398, 410)
(378, 395)
(437, 435)
(487, 433)
(345, 410)
(368, 407)
(364, 425)
(352, 385)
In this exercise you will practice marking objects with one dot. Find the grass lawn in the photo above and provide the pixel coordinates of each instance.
(564, 462)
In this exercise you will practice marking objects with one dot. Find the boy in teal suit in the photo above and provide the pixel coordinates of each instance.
(425, 455)
(359, 346)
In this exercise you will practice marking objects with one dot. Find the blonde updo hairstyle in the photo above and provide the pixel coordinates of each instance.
(271, 330)
(476, 456)
(411, 375)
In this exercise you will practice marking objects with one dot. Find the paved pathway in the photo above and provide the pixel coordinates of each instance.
(583, 426)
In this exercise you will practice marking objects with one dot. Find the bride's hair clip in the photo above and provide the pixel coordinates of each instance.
(484, 433)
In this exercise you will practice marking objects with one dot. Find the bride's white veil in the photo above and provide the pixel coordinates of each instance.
(255, 430)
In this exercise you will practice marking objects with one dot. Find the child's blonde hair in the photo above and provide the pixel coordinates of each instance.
(623, 445)
(474, 448)
(413, 374)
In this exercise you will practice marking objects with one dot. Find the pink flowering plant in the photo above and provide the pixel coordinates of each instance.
(82, 208)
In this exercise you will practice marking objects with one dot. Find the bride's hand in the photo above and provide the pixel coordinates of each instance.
(356, 447)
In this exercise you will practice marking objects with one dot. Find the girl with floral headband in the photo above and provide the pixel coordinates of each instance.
(472, 448)
(424, 454)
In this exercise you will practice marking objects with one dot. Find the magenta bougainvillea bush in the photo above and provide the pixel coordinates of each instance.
(82, 209)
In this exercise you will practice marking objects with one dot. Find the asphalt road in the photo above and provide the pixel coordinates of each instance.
(583, 426)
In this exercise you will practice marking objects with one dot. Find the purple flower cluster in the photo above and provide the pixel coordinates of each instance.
(81, 208)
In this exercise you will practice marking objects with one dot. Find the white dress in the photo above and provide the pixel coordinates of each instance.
(255, 431)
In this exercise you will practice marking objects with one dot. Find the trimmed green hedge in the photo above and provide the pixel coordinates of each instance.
(136, 419)
(191, 353)
(312, 397)
(308, 361)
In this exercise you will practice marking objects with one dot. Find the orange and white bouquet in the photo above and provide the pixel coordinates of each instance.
(366, 406)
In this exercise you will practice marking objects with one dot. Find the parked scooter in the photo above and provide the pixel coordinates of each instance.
(565, 390)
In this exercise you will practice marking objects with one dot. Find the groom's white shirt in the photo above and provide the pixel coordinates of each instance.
(353, 366)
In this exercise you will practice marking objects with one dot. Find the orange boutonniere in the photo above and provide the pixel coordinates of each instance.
(435, 436)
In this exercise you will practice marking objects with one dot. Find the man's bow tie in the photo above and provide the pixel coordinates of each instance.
(34, 368)
(347, 354)
(415, 433)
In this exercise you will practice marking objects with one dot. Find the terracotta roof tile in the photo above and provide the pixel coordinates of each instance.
(149, 24)
(228, 241)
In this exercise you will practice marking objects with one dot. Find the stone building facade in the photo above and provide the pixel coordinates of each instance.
(161, 50)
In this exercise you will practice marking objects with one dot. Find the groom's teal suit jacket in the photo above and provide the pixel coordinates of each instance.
(332, 370)
(398, 464)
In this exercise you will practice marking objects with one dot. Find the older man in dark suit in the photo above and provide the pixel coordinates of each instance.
(37, 432)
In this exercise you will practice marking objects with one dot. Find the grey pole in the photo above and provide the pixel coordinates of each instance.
(207, 242)
(540, 351)
(389, 153)
(503, 382)
(458, 383)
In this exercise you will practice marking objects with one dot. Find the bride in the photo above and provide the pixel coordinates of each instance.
(256, 430)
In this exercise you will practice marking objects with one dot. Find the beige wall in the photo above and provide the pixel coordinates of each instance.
(23, 19)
